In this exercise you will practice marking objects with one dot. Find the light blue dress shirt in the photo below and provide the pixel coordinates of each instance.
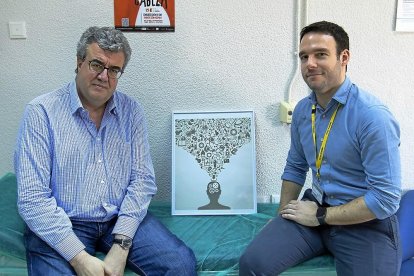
(362, 153)
(67, 169)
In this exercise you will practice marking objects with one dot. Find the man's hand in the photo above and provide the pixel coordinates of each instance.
(303, 212)
(87, 265)
(115, 261)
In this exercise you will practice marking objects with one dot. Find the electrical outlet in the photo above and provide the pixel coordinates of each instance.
(286, 111)
(17, 29)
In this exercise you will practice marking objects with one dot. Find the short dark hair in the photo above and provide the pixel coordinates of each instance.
(108, 38)
(332, 29)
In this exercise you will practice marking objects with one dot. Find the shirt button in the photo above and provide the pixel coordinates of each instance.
(323, 116)
(100, 161)
(102, 181)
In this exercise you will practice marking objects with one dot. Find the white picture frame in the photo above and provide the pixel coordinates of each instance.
(213, 163)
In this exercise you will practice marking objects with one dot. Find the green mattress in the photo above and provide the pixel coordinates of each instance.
(217, 241)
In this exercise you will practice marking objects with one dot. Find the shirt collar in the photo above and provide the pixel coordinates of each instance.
(76, 104)
(111, 106)
(341, 95)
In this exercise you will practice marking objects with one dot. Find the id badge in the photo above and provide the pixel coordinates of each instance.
(317, 191)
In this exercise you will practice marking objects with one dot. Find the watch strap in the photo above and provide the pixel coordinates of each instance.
(321, 215)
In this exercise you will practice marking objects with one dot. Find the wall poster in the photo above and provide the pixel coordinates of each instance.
(144, 15)
(213, 163)
(405, 16)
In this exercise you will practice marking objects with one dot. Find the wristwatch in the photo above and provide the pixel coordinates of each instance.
(125, 243)
(321, 215)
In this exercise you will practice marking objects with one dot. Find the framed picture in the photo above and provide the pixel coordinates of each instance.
(213, 163)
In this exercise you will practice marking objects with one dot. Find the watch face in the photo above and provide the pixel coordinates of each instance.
(320, 215)
(321, 212)
(127, 242)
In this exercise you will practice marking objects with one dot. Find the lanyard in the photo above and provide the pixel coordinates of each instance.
(319, 156)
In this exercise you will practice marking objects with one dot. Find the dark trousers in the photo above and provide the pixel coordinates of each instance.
(366, 249)
(155, 250)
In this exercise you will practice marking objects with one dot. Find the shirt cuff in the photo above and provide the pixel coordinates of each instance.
(293, 178)
(126, 226)
(70, 247)
(380, 211)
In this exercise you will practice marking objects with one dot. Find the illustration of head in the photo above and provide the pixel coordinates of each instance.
(213, 190)
(213, 193)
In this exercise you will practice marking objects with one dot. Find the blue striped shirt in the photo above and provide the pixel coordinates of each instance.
(67, 169)
(362, 153)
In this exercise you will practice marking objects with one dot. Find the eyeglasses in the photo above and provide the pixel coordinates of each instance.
(113, 72)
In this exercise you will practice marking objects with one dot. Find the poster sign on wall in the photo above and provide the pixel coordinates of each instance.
(145, 15)
(213, 163)
(405, 16)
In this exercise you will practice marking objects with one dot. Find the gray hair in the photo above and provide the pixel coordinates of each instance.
(107, 38)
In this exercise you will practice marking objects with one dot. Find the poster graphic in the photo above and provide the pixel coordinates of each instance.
(405, 16)
(144, 15)
(213, 170)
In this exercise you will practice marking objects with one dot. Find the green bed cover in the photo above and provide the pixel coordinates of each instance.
(217, 241)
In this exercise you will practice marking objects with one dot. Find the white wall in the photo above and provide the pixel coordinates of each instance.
(224, 55)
